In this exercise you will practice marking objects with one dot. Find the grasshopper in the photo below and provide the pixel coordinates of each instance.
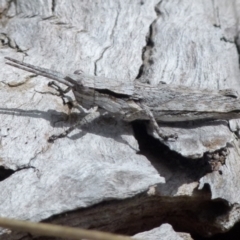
(131, 101)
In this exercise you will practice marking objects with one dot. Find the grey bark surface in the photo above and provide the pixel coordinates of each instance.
(164, 232)
(187, 43)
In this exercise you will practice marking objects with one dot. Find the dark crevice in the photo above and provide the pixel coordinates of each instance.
(53, 5)
(4, 39)
(140, 72)
(146, 51)
(217, 26)
(98, 59)
(21, 50)
(142, 213)
(237, 43)
(226, 40)
(112, 94)
(5, 173)
(149, 44)
(233, 234)
(152, 148)
(216, 15)
(7, 41)
(25, 167)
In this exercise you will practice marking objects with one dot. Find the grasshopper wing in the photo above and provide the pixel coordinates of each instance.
(102, 83)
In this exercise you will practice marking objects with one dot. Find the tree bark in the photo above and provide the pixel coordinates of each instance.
(96, 178)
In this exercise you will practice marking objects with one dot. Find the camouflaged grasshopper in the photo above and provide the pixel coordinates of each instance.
(131, 101)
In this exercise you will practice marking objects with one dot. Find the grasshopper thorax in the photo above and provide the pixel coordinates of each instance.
(84, 96)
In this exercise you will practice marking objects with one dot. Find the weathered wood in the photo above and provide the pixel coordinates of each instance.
(189, 43)
(192, 51)
(96, 163)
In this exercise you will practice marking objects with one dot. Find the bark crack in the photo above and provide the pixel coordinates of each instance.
(147, 49)
(53, 5)
(227, 40)
(106, 48)
(98, 59)
(237, 43)
(6, 172)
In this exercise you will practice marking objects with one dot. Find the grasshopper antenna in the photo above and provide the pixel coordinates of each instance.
(39, 71)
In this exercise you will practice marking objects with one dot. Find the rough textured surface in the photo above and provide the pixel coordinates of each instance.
(164, 232)
(183, 43)
(192, 51)
(94, 164)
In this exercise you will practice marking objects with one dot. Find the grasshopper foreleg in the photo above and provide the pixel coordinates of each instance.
(61, 91)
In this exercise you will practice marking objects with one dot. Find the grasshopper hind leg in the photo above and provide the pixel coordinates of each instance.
(87, 119)
(171, 137)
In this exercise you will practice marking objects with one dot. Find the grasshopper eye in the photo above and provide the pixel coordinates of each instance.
(78, 72)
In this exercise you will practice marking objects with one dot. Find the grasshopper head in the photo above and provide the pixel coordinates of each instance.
(84, 96)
